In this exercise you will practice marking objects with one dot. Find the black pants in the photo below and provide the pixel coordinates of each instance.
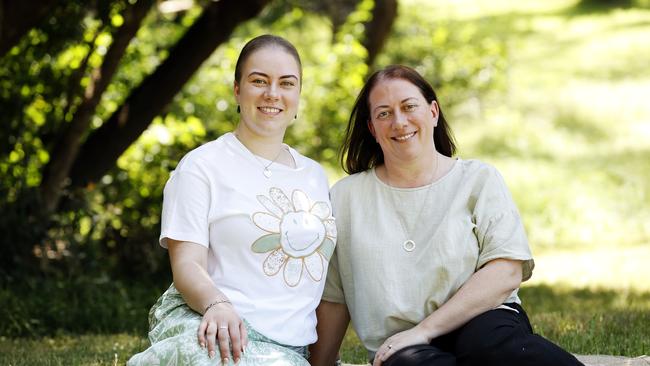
(497, 337)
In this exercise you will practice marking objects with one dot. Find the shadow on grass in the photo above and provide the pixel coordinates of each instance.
(591, 321)
(601, 6)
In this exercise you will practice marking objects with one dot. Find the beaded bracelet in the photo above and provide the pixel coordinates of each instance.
(216, 303)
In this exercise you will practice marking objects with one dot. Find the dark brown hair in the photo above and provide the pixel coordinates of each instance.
(360, 151)
(259, 42)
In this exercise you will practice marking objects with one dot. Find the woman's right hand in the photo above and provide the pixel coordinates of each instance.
(222, 324)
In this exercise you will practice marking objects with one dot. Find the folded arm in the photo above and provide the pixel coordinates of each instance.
(484, 290)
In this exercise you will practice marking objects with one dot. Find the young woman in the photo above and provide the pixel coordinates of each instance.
(248, 225)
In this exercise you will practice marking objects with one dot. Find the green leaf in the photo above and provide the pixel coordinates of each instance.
(327, 248)
(266, 243)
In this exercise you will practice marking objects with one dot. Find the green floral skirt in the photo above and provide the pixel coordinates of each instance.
(172, 333)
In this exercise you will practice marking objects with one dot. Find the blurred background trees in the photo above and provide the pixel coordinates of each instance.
(100, 99)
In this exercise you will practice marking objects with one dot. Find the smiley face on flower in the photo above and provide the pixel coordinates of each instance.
(301, 235)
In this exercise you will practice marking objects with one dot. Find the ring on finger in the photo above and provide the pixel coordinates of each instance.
(223, 327)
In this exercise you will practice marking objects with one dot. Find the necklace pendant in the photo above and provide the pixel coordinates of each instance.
(408, 245)
(267, 173)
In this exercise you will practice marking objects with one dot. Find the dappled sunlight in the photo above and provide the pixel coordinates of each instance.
(470, 9)
(570, 133)
(577, 204)
(611, 267)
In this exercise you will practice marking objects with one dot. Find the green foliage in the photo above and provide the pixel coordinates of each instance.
(46, 306)
(111, 227)
(103, 229)
(436, 47)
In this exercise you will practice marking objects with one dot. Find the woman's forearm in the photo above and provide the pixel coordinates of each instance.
(189, 262)
(485, 290)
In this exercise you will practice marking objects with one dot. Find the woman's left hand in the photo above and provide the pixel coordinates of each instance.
(398, 341)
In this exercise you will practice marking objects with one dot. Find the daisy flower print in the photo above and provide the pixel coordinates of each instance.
(301, 235)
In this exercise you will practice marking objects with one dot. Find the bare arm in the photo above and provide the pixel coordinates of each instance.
(485, 290)
(221, 322)
(333, 319)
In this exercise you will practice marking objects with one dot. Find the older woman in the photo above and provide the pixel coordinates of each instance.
(248, 225)
(431, 249)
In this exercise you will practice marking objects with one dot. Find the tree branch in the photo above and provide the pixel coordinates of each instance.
(378, 29)
(104, 146)
(66, 150)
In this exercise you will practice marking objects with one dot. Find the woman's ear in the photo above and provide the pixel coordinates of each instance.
(235, 89)
(435, 112)
(372, 129)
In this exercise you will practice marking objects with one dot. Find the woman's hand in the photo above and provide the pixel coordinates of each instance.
(222, 324)
(400, 340)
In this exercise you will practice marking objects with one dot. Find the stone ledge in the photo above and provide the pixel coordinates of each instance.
(598, 360)
(603, 360)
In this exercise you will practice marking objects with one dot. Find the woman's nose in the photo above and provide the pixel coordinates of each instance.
(399, 120)
(271, 92)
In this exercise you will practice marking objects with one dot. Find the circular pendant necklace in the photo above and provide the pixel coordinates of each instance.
(409, 244)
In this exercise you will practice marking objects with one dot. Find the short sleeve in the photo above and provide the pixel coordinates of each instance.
(333, 291)
(186, 204)
(499, 228)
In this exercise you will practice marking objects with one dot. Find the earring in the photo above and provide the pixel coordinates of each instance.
(295, 117)
(238, 109)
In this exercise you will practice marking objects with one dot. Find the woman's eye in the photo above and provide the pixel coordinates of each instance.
(259, 82)
(382, 115)
(410, 107)
(287, 83)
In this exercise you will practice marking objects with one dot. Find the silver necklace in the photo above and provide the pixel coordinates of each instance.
(267, 172)
(409, 244)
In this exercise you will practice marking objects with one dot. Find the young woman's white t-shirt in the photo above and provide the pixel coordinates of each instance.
(269, 239)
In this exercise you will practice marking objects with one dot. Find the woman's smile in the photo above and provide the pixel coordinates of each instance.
(405, 137)
(269, 110)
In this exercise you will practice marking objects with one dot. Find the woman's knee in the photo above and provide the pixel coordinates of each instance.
(421, 355)
(486, 332)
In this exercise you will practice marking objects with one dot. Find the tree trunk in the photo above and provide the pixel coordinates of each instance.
(17, 17)
(105, 145)
(378, 29)
(67, 148)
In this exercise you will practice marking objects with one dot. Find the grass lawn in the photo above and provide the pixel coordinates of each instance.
(584, 321)
(112, 349)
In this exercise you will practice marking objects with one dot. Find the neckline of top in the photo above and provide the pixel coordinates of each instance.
(231, 138)
(454, 167)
